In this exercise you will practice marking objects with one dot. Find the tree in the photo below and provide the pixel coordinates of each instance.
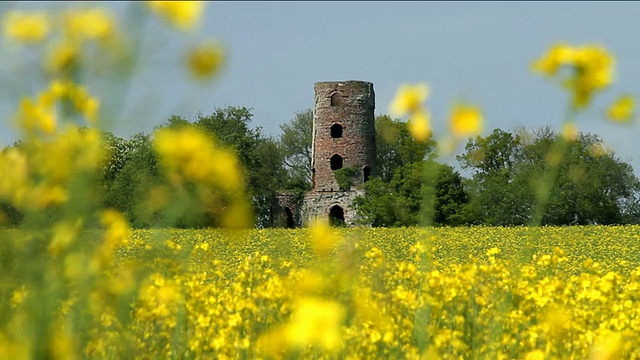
(591, 185)
(261, 157)
(424, 192)
(395, 147)
(296, 144)
(129, 175)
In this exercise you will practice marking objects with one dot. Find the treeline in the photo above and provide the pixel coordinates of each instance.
(592, 186)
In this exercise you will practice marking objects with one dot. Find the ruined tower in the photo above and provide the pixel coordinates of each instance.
(343, 138)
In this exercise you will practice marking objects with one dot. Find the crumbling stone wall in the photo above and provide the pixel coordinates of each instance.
(321, 203)
(288, 212)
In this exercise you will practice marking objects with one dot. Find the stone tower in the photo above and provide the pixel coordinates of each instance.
(343, 137)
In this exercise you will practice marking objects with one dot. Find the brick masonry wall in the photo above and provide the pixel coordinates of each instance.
(351, 105)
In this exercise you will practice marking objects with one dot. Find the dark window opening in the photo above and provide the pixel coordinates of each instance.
(367, 173)
(336, 216)
(313, 178)
(336, 99)
(336, 162)
(289, 218)
(336, 131)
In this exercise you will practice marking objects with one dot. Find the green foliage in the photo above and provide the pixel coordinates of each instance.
(395, 147)
(132, 170)
(419, 193)
(346, 177)
(295, 143)
(260, 157)
(591, 186)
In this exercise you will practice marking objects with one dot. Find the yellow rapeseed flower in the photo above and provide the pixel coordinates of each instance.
(205, 60)
(622, 109)
(570, 131)
(184, 15)
(191, 153)
(61, 56)
(26, 27)
(420, 125)
(553, 60)
(607, 347)
(88, 24)
(592, 70)
(465, 120)
(316, 321)
(535, 355)
(409, 99)
(323, 237)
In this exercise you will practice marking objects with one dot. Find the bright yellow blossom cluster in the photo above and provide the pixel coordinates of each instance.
(592, 70)
(193, 154)
(465, 121)
(190, 156)
(184, 15)
(622, 110)
(409, 101)
(40, 174)
(26, 27)
(40, 115)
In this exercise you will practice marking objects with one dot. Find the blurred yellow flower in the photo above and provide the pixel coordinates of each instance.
(570, 131)
(323, 236)
(592, 70)
(535, 355)
(607, 347)
(88, 24)
(26, 27)
(622, 109)
(61, 56)
(184, 15)
(556, 57)
(420, 125)
(316, 321)
(192, 153)
(465, 120)
(409, 99)
(205, 60)
(36, 116)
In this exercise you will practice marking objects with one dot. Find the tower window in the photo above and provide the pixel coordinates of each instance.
(336, 162)
(336, 131)
(336, 99)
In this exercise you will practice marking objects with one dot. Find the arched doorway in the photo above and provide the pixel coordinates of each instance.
(289, 215)
(366, 171)
(336, 216)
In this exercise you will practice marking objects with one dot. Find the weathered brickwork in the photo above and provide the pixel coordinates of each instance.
(343, 136)
(350, 106)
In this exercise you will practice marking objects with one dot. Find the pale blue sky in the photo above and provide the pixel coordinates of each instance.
(277, 51)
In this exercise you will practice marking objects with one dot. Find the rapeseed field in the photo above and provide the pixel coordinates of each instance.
(76, 281)
(435, 293)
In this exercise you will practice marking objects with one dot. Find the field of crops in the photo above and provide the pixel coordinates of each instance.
(479, 292)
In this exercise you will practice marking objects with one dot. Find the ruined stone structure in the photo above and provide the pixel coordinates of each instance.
(343, 137)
